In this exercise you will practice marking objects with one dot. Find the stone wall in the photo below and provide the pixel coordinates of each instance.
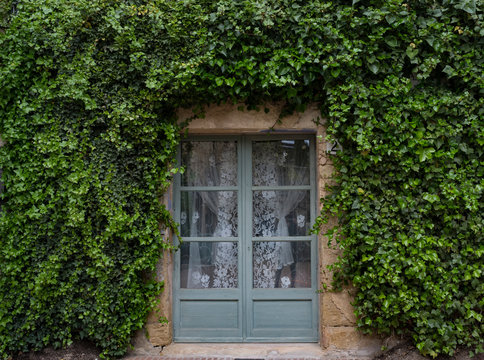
(159, 324)
(337, 320)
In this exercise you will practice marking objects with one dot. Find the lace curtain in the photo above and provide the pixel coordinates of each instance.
(273, 166)
(215, 164)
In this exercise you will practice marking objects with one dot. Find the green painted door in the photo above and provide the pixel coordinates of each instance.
(246, 270)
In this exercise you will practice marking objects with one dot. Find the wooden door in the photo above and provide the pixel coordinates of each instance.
(246, 270)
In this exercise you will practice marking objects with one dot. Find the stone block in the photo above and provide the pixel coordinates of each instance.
(332, 222)
(329, 256)
(163, 273)
(141, 345)
(223, 119)
(159, 334)
(158, 313)
(348, 338)
(337, 310)
(325, 171)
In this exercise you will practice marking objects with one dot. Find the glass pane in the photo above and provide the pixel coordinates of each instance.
(208, 213)
(209, 265)
(282, 264)
(209, 163)
(281, 213)
(284, 162)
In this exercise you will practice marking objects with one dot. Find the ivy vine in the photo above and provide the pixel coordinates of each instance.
(88, 97)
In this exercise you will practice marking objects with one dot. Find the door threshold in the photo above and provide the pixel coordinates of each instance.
(255, 351)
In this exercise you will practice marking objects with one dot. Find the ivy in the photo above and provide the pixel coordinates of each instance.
(88, 99)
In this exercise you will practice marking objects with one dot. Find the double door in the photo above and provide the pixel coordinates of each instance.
(246, 268)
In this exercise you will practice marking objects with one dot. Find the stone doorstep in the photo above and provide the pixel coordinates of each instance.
(237, 351)
(334, 356)
(231, 358)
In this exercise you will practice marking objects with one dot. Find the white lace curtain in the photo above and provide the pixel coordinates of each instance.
(215, 164)
(272, 167)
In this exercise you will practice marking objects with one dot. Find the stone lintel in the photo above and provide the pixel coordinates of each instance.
(227, 119)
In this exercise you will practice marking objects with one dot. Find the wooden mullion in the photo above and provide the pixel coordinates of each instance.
(282, 188)
(282, 238)
(210, 239)
(208, 188)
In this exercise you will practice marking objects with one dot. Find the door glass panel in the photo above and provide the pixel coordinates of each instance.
(209, 163)
(280, 163)
(208, 213)
(206, 265)
(282, 264)
(281, 213)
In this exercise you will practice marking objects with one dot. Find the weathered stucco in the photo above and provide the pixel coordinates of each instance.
(337, 320)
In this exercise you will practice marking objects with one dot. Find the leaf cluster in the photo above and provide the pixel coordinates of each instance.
(89, 151)
(88, 99)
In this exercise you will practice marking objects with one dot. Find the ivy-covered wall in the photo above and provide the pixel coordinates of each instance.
(88, 92)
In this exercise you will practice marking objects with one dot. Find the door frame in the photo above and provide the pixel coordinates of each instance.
(245, 294)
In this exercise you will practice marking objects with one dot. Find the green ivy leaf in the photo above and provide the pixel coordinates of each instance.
(374, 68)
(411, 52)
(425, 153)
(391, 41)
